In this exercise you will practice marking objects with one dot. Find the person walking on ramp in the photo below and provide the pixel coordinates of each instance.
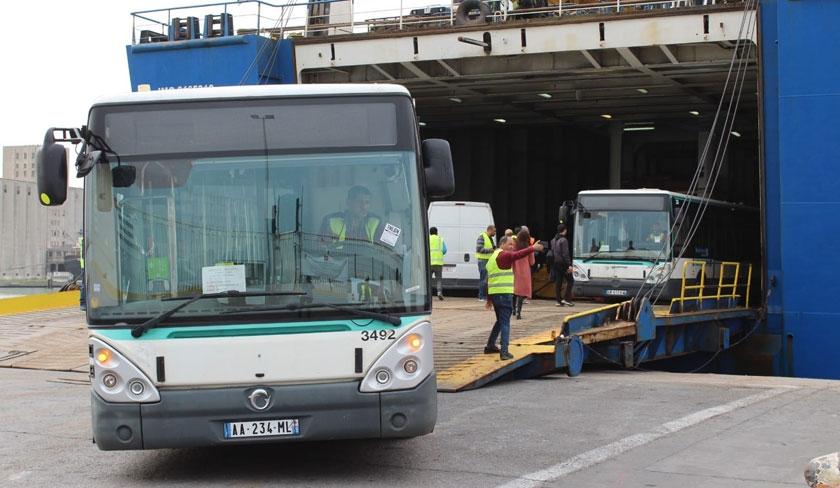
(500, 292)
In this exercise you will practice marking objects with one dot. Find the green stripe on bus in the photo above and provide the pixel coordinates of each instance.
(239, 330)
(311, 329)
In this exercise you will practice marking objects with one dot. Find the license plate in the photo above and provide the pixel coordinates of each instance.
(619, 293)
(262, 428)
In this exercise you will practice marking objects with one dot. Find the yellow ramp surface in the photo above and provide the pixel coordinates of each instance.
(36, 303)
(462, 326)
(481, 369)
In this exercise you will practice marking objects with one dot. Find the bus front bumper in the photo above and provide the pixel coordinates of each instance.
(622, 288)
(196, 417)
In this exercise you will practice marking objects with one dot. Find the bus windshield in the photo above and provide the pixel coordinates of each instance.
(622, 234)
(339, 227)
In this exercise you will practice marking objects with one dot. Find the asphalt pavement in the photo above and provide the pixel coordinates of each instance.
(602, 429)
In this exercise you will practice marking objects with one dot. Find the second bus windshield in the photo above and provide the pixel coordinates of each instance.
(622, 234)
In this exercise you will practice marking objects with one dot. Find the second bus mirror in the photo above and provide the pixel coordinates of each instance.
(51, 166)
(563, 214)
(437, 161)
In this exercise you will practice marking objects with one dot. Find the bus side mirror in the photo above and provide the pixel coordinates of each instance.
(51, 166)
(563, 214)
(437, 162)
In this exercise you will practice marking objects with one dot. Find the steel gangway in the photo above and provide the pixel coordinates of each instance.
(704, 318)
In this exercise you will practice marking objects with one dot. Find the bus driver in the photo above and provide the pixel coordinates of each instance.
(355, 223)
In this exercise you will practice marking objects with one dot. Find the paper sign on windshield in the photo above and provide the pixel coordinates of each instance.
(390, 234)
(218, 279)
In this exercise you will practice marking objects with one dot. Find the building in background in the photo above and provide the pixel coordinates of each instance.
(337, 14)
(37, 244)
(19, 162)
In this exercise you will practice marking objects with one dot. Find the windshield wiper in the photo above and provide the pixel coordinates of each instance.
(154, 321)
(634, 257)
(370, 314)
(592, 256)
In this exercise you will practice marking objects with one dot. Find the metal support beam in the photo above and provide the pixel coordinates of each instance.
(550, 37)
(637, 64)
(449, 68)
(382, 72)
(594, 62)
(668, 54)
(616, 134)
(419, 73)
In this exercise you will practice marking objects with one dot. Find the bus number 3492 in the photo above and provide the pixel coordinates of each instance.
(377, 335)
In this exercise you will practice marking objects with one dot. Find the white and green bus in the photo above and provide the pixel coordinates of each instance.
(623, 241)
(256, 263)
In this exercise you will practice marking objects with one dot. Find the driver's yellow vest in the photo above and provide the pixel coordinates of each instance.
(499, 281)
(339, 228)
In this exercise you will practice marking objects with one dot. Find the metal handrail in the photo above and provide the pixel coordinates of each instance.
(724, 290)
(573, 316)
(734, 285)
(699, 288)
(402, 21)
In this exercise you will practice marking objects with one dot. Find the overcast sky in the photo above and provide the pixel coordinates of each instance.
(58, 56)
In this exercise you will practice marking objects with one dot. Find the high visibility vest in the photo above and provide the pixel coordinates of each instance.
(499, 281)
(365, 292)
(435, 250)
(488, 246)
(339, 228)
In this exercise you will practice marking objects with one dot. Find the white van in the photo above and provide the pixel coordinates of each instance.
(459, 224)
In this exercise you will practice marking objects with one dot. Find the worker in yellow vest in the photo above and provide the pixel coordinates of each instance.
(483, 250)
(500, 292)
(437, 248)
(355, 223)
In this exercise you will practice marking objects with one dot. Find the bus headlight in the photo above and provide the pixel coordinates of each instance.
(660, 272)
(115, 379)
(410, 366)
(405, 364)
(109, 380)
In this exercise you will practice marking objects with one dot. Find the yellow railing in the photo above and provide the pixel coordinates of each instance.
(725, 289)
(700, 288)
(731, 286)
(591, 311)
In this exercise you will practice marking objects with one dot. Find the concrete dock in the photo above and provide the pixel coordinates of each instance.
(603, 428)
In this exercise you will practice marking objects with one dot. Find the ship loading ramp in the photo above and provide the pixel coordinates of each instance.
(704, 321)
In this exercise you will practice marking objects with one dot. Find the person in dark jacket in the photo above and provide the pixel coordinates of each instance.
(562, 267)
